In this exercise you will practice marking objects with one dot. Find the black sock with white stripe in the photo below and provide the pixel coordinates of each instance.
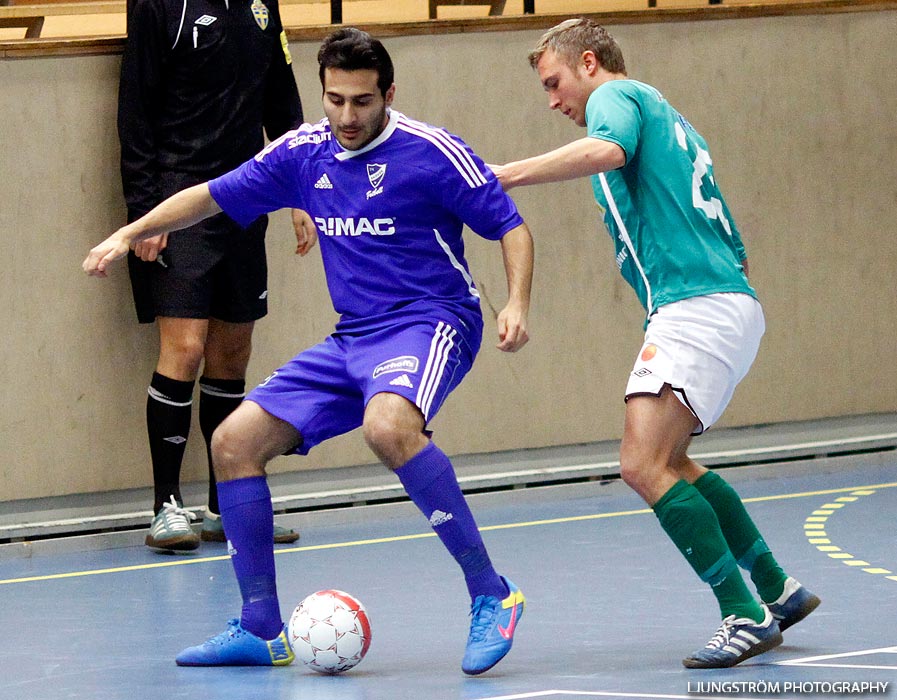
(168, 411)
(217, 399)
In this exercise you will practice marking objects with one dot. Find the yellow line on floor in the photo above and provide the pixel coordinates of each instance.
(834, 552)
(405, 538)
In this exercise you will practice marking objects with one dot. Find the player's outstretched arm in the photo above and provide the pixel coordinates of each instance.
(517, 251)
(181, 210)
(586, 156)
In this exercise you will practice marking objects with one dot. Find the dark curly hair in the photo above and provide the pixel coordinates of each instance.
(352, 49)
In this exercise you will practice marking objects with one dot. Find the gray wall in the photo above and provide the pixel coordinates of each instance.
(799, 113)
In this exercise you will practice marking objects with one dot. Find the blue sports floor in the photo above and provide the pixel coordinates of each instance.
(612, 606)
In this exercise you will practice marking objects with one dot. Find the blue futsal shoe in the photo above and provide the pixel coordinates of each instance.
(492, 628)
(795, 603)
(238, 647)
(737, 639)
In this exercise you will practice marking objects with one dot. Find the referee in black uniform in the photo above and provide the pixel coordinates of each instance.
(200, 80)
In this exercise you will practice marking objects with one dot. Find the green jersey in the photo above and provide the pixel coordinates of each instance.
(673, 233)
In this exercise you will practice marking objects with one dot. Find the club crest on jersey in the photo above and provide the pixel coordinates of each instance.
(376, 173)
(260, 13)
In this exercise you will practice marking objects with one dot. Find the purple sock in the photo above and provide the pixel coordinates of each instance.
(248, 519)
(430, 481)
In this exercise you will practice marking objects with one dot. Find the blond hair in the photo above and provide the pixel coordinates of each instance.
(572, 37)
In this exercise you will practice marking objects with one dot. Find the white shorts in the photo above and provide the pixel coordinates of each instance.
(702, 347)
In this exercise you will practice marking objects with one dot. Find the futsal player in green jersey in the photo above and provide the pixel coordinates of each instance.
(678, 247)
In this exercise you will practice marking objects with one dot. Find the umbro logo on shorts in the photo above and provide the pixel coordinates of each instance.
(324, 183)
(642, 372)
(205, 20)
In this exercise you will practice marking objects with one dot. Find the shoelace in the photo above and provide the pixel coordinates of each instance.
(175, 516)
(722, 636)
(233, 630)
(482, 611)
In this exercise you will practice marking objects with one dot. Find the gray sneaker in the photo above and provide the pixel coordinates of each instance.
(737, 639)
(213, 530)
(170, 529)
(795, 603)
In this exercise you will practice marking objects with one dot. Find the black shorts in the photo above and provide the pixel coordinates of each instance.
(215, 269)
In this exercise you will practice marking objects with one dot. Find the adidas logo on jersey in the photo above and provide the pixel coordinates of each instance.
(438, 518)
(402, 380)
(324, 183)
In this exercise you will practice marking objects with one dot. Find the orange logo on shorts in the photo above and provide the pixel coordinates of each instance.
(648, 352)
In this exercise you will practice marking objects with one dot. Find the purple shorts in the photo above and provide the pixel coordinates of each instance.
(323, 391)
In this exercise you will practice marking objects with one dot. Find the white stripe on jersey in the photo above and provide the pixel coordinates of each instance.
(456, 153)
(624, 236)
(457, 265)
(180, 26)
(440, 347)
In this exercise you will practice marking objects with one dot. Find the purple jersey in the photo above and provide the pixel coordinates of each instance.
(389, 216)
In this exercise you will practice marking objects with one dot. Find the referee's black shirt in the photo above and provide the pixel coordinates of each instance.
(199, 81)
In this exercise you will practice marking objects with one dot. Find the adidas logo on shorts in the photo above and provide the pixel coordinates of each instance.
(324, 183)
(402, 380)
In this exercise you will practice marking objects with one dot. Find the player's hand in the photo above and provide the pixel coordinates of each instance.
(305, 230)
(149, 248)
(500, 173)
(100, 256)
(512, 333)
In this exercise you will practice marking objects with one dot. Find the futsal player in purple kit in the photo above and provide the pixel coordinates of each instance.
(389, 196)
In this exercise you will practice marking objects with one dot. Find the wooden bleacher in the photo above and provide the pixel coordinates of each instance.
(94, 18)
(496, 7)
(56, 18)
(43, 19)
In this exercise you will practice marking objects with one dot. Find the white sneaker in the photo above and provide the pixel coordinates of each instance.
(170, 529)
(737, 639)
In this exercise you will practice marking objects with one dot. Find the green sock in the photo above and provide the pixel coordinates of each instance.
(693, 526)
(745, 541)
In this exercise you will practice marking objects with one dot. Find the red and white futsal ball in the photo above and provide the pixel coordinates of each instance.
(330, 631)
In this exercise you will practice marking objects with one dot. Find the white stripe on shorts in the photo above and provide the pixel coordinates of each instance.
(440, 347)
